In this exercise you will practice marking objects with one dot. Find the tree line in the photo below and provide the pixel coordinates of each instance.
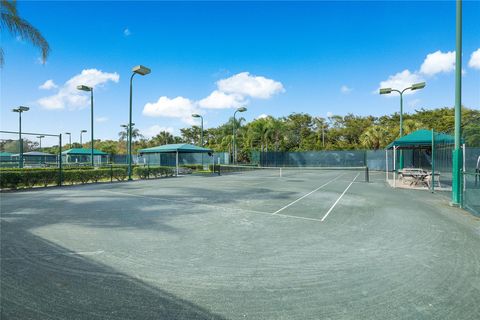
(295, 132)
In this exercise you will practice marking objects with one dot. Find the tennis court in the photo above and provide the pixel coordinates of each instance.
(261, 244)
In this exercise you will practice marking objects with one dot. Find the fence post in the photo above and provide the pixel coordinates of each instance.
(111, 172)
(60, 178)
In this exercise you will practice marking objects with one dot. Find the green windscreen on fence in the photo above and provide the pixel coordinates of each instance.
(337, 158)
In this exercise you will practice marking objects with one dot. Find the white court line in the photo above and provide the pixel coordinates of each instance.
(344, 191)
(297, 217)
(306, 195)
(185, 202)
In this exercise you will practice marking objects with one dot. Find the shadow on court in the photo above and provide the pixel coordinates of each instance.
(41, 280)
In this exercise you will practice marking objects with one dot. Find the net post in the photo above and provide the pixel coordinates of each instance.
(367, 176)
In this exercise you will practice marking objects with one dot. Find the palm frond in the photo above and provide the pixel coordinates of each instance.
(17, 26)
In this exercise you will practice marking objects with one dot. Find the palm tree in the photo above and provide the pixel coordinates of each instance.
(375, 137)
(164, 137)
(10, 20)
(124, 134)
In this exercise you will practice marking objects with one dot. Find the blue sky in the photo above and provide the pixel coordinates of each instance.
(276, 58)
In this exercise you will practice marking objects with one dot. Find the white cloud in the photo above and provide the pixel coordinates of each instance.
(48, 85)
(69, 96)
(438, 62)
(179, 107)
(249, 85)
(400, 81)
(262, 116)
(127, 32)
(345, 89)
(329, 114)
(156, 129)
(221, 100)
(101, 119)
(475, 59)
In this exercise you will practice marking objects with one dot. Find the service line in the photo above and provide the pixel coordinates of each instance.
(306, 195)
(344, 191)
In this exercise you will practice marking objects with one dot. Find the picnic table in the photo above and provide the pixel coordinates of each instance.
(419, 176)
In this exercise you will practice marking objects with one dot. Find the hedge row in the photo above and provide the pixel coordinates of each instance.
(27, 178)
(155, 172)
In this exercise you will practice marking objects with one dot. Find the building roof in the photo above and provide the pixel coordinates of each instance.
(421, 138)
(178, 147)
(5, 154)
(33, 153)
(82, 151)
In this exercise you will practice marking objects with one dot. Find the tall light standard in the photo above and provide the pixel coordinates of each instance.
(413, 87)
(69, 139)
(457, 189)
(195, 115)
(40, 138)
(141, 70)
(20, 110)
(89, 89)
(125, 126)
(234, 149)
(82, 132)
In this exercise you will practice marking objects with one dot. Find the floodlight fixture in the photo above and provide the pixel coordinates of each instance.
(141, 70)
(417, 86)
(242, 109)
(84, 88)
(385, 90)
(21, 109)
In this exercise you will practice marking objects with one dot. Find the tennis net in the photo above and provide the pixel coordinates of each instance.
(305, 172)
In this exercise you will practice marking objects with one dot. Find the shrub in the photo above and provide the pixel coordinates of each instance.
(156, 172)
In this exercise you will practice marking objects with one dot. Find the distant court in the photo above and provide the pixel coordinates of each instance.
(311, 244)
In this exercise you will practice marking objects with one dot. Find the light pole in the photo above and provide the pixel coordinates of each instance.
(125, 126)
(141, 70)
(20, 110)
(82, 132)
(413, 87)
(457, 188)
(69, 139)
(234, 148)
(89, 89)
(40, 138)
(195, 115)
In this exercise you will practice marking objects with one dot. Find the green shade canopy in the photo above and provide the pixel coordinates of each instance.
(5, 154)
(178, 147)
(86, 152)
(34, 153)
(421, 138)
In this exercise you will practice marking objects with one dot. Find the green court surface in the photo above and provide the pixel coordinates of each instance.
(312, 245)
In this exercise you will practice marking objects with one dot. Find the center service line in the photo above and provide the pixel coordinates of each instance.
(323, 185)
(333, 206)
